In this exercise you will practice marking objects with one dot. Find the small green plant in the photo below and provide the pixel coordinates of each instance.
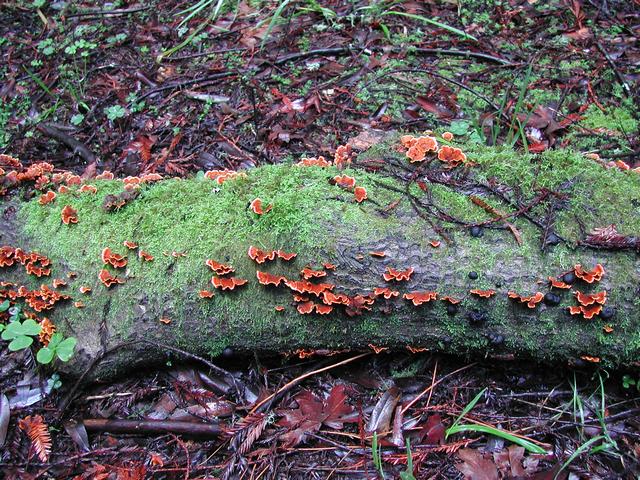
(408, 473)
(46, 46)
(628, 381)
(58, 347)
(376, 453)
(77, 119)
(20, 334)
(114, 112)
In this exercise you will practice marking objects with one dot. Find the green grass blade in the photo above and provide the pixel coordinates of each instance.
(583, 448)
(466, 410)
(274, 19)
(444, 26)
(526, 444)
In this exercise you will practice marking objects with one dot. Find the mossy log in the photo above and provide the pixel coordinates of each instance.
(182, 223)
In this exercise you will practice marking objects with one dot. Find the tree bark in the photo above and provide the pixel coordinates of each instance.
(159, 302)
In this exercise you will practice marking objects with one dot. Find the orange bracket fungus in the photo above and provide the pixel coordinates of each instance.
(418, 298)
(146, 256)
(107, 279)
(113, 259)
(69, 215)
(285, 256)
(328, 266)
(260, 256)
(555, 283)
(265, 278)
(448, 136)
(590, 276)
(451, 156)
(308, 273)
(256, 207)
(305, 308)
(130, 245)
(342, 156)
(105, 175)
(78, 304)
(313, 162)
(279, 308)
(330, 298)
(47, 198)
(531, 301)
(360, 194)
(587, 312)
(434, 243)
(303, 286)
(378, 254)
(589, 299)
(483, 293)
(397, 275)
(58, 282)
(85, 290)
(345, 181)
(88, 189)
(219, 268)
(385, 292)
(376, 349)
(220, 176)
(227, 283)
(206, 294)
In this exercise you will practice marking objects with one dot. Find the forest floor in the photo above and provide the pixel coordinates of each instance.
(145, 87)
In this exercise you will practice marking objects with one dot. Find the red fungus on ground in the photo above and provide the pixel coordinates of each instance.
(130, 245)
(47, 198)
(360, 194)
(206, 294)
(590, 276)
(451, 155)
(220, 176)
(589, 299)
(385, 292)
(397, 275)
(451, 300)
(378, 254)
(555, 283)
(151, 177)
(7, 256)
(146, 256)
(531, 301)
(342, 157)
(345, 181)
(88, 189)
(69, 215)
(131, 180)
(328, 266)
(260, 256)
(256, 207)
(113, 259)
(308, 273)
(608, 328)
(107, 279)
(483, 293)
(219, 268)
(78, 304)
(227, 283)
(418, 298)
(265, 278)
(285, 256)
(434, 243)
(73, 180)
(85, 289)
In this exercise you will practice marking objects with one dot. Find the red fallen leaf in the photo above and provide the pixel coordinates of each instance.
(432, 433)
(360, 194)
(305, 307)
(483, 293)
(69, 215)
(265, 278)
(88, 189)
(227, 283)
(256, 207)
(451, 300)
(47, 198)
(590, 276)
(378, 253)
(474, 465)
(130, 245)
(345, 181)
(205, 294)
(328, 266)
(531, 301)
(307, 273)
(147, 257)
(107, 279)
(589, 299)
(260, 256)
(285, 256)
(313, 412)
(376, 349)
(397, 275)
(219, 268)
(113, 259)
(555, 283)
(386, 292)
(418, 298)
(422, 186)
(434, 243)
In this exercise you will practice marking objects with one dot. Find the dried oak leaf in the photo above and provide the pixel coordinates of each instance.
(475, 466)
(313, 412)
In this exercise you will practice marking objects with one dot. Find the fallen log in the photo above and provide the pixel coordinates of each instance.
(460, 253)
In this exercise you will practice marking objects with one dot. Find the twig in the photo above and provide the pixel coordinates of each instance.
(152, 427)
(297, 380)
(108, 13)
(76, 146)
(617, 73)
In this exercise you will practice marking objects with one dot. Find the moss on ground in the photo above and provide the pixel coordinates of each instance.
(312, 217)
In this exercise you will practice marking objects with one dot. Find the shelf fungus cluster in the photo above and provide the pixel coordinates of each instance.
(418, 149)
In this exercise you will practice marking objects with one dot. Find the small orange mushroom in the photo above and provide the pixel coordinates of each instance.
(589, 358)
(590, 276)
(483, 293)
(206, 294)
(165, 320)
(58, 282)
(328, 266)
(531, 301)
(376, 349)
(416, 154)
(587, 312)
(589, 299)
(265, 278)
(330, 298)
(451, 300)
(260, 256)
(256, 207)
(378, 254)
(62, 189)
(434, 243)
(608, 328)
(227, 283)
(78, 304)
(408, 141)
(451, 155)
(69, 215)
(88, 189)
(418, 298)
(85, 289)
(105, 175)
(47, 198)
(323, 309)
(113, 259)
(360, 194)
(285, 256)
(385, 292)
(279, 308)
(306, 307)
(345, 181)
(130, 245)
(448, 136)
(417, 349)
(555, 283)
(107, 279)
(308, 273)
(219, 268)
(397, 275)
(313, 162)
(146, 256)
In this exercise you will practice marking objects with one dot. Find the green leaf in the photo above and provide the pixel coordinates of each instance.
(444, 26)
(459, 127)
(44, 355)
(4, 306)
(66, 348)
(30, 327)
(20, 343)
